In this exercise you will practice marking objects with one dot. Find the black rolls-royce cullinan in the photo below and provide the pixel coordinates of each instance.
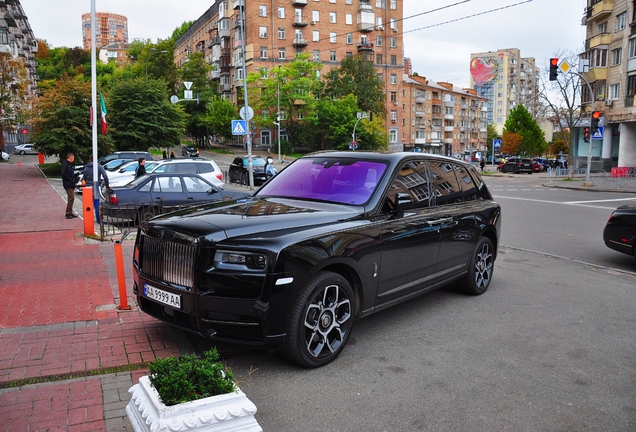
(333, 237)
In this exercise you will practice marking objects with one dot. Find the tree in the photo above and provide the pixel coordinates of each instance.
(13, 86)
(220, 113)
(196, 71)
(357, 76)
(299, 85)
(511, 142)
(61, 121)
(520, 121)
(140, 116)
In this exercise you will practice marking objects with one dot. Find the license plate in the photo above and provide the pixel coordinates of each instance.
(161, 296)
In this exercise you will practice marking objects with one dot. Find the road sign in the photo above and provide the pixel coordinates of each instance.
(187, 84)
(353, 145)
(250, 113)
(496, 143)
(187, 94)
(599, 133)
(239, 127)
(565, 66)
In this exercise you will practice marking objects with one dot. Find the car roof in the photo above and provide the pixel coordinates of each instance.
(384, 156)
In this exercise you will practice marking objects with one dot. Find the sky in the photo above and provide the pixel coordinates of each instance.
(439, 35)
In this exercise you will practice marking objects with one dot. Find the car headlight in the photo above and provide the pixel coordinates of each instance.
(240, 260)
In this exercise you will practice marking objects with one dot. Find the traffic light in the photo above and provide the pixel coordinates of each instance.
(596, 116)
(554, 63)
(586, 134)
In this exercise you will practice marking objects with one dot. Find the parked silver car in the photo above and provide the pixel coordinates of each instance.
(25, 149)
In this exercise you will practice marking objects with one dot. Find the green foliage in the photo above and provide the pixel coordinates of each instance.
(357, 76)
(61, 121)
(140, 116)
(196, 71)
(180, 30)
(532, 138)
(220, 113)
(188, 378)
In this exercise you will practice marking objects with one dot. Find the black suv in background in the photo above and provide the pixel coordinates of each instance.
(517, 165)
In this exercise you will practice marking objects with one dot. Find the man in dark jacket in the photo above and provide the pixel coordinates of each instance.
(87, 174)
(68, 182)
(141, 168)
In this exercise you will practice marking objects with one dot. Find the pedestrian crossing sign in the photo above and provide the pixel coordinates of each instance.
(239, 127)
(598, 134)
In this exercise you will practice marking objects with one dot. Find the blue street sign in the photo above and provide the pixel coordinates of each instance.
(496, 143)
(239, 127)
(599, 133)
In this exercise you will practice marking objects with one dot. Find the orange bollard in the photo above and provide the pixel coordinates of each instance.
(19, 164)
(121, 277)
(89, 211)
(41, 158)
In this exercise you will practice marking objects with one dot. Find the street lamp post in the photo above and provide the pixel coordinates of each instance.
(150, 53)
(278, 113)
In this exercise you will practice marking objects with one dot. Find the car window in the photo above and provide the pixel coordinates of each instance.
(238, 161)
(412, 179)
(469, 188)
(188, 168)
(447, 189)
(339, 180)
(196, 184)
(205, 168)
(259, 162)
(145, 188)
(167, 184)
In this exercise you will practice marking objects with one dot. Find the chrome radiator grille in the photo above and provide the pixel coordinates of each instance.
(168, 261)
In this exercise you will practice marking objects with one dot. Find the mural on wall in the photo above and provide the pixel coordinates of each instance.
(484, 70)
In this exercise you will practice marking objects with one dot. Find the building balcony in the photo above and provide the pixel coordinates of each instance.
(436, 101)
(596, 74)
(599, 39)
(215, 74)
(600, 10)
(299, 2)
(449, 116)
(365, 47)
(366, 27)
(420, 140)
(214, 41)
(420, 113)
(299, 42)
(299, 22)
(420, 99)
(449, 128)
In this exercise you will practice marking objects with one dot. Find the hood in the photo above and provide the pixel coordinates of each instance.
(246, 217)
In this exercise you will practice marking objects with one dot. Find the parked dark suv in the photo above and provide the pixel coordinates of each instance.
(518, 165)
(332, 237)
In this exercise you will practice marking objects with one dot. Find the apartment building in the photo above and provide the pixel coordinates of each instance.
(506, 79)
(276, 31)
(110, 28)
(438, 117)
(116, 52)
(17, 40)
(610, 47)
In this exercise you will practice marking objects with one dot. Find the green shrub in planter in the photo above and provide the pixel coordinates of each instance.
(188, 378)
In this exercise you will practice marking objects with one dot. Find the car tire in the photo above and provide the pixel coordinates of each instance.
(480, 268)
(245, 179)
(22, 152)
(321, 321)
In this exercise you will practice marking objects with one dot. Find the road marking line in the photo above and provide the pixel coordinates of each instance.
(554, 202)
(607, 200)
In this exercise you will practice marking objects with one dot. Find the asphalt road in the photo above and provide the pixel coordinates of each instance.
(549, 347)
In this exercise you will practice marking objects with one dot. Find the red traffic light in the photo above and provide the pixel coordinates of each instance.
(554, 62)
(554, 70)
(596, 115)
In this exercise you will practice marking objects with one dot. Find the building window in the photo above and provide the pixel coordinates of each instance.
(315, 16)
(621, 21)
(393, 24)
(348, 38)
(602, 27)
(332, 56)
(393, 115)
(379, 4)
(281, 33)
(393, 60)
(631, 48)
(262, 32)
(262, 11)
(614, 91)
(349, 2)
(599, 58)
(618, 53)
(263, 52)
(393, 42)
(378, 59)
(348, 19)
(316, 55)
(393, 97)
(315, 35)
(332, 17)
(393, 135)
(281, 12)
(393, 79)
(394, 4)
(332, 37)
(378, 41)
(281, 53)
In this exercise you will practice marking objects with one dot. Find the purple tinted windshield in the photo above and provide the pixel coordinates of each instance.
(340, 180)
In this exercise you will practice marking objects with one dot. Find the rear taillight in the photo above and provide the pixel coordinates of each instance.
(112, 199)
(220, 176)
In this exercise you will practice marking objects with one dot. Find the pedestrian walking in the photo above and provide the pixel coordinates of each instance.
(172, 156)
(87, 173)
(270, 170)
(482, 164)
(165, 154)
(68, 182)
(141, 168)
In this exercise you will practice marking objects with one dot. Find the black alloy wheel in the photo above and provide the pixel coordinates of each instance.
(480, 268)
(146, 213)
(245, 179)
(321, 321)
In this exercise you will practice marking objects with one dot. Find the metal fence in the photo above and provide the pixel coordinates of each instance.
(625, 180)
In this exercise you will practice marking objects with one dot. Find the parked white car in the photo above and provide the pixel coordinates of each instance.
(25, 149)
(206, 168)
(5, 156)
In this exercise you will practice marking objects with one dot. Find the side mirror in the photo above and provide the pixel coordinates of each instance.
(212, 191)
(403, 201)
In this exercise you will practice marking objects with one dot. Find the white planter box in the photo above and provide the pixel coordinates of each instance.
(228, 412)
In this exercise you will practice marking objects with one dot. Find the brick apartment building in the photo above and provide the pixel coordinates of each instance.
(275, 31)
(610, 47)
(111, 28)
